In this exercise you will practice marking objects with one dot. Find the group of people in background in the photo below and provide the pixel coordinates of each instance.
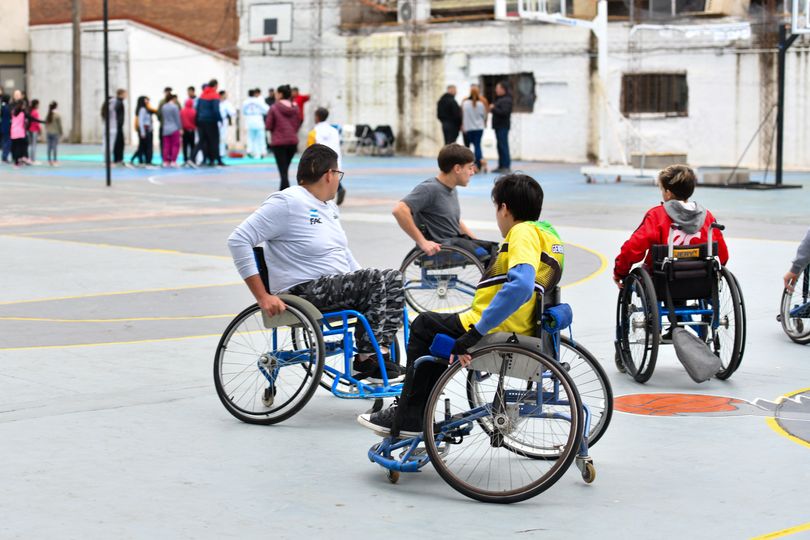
(22, 126)
(470, 119)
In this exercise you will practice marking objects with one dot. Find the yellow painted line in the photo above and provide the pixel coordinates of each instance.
(130, 319)
(133, 342)
(130, 248)
(603, 264)
(784, 532)
(774, 425)
(117, 293)
(127, 228)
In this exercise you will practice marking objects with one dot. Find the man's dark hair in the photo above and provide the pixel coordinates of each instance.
(505, 85)
(321, 114)
(221, 93)
(454, 154)
(285, 91)
(678, 179)
(521, 194)
(191, 88)
(213, 83)
(314, 163)
(167, 89)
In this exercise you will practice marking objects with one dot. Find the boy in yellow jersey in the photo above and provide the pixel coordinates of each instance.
(530, 260)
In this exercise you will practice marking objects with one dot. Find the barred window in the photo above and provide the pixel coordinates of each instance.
(663, 93)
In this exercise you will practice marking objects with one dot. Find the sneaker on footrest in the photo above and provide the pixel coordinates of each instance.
(370, 369)
(382, 421)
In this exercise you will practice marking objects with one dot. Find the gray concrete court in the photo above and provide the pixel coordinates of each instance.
(113, 300)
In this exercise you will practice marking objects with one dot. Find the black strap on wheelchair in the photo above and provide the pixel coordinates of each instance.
(258, 254)
(673, 319)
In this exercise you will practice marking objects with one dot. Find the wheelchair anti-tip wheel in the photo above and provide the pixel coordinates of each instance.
(592, 385)
(444, 282)
(797, 327)
(266, 369)
(639, 326)
(488, 464)
(726, 341)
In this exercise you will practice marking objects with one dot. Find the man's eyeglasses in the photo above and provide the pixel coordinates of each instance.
(340, 174)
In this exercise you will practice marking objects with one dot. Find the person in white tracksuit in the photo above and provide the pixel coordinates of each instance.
(326, 134)
(228, 113)
(253, 110)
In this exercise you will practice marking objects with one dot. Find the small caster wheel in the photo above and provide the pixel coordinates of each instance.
(619, 363)
(269, 396)
(393, 476)
(589, 473)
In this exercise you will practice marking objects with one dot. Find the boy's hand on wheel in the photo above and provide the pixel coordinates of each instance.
(463, 344)
(618, 281)
(272, 305)
(430, 248)
(790, 280)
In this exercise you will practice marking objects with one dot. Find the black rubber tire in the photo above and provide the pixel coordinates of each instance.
(300, 397)
(416, 254)
(733, 362)
(556, 470)
(639, 278)
(801, 334)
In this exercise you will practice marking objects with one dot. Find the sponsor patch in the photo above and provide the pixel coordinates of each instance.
(557, 248)
(686, 253)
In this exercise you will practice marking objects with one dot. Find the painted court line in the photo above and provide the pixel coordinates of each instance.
(784, 532)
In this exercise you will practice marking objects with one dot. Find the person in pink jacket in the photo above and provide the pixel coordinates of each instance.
(19, 142)
(283, 121)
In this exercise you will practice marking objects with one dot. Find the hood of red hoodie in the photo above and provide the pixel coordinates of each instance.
(189, 103)
(209, 93)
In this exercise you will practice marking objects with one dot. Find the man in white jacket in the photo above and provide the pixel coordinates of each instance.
(228, 113)
(253, 110)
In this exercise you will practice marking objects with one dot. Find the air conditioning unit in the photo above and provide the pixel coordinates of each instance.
(738, 8)
(413, 11)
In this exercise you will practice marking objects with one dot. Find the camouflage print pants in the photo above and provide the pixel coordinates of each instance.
(377, 294)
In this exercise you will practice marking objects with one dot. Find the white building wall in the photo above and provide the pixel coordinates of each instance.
(371, 78)
(142, 61)
(14, 24)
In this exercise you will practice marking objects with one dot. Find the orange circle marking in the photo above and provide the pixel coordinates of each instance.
(675, 404)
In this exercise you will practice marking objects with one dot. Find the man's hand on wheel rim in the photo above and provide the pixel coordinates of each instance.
(272, 305)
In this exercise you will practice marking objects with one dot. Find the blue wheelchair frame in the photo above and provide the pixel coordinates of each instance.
(415, 457)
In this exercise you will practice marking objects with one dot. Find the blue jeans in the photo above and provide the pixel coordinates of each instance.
(502, 137)
(474, 137)
(6, 144)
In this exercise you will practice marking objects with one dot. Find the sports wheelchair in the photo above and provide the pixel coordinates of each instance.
(690, 287)
(267, 368)
(444, 282)
(794, 309)
(509, 425)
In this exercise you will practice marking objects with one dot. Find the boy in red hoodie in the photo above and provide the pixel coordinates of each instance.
(677, 183)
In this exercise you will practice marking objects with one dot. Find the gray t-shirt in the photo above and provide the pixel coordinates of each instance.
(473, 115)
(435, 210)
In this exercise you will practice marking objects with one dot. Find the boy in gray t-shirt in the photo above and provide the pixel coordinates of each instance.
(430, 214)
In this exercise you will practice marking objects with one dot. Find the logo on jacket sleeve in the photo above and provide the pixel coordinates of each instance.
(314, 217)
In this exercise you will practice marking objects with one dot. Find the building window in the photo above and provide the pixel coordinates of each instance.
(661, 93)
(521, 84)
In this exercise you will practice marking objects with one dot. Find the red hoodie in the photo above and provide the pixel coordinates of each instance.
(283, 122)
(188, 116)
(654, 229)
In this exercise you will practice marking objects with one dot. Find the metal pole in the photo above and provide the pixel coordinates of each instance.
(784, 43)
(76, 83)
(107, 94)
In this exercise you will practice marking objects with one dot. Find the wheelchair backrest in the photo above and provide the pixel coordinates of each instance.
(688, 274)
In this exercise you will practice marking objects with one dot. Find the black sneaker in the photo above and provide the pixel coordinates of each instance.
(370, 369)
(382, 421)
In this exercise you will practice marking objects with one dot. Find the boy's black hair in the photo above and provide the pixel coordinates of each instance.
(213, 82)
(285, 91)
(521, 194)
(454, 154)
(680, 180)
(314, 163)
(321, 114)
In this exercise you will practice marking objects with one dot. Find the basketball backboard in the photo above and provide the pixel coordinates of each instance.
(800, 17)
(270, 21)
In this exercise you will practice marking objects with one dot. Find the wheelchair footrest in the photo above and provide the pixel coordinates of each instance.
(411, 458)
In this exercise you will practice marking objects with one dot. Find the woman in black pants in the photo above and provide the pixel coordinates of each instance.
(283, 121)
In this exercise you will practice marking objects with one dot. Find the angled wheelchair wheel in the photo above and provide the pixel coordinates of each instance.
(797, 326)
(638, 325)
(592, 384)
(727, 339)
(265, 373)
(444, 282)
(497, 463)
